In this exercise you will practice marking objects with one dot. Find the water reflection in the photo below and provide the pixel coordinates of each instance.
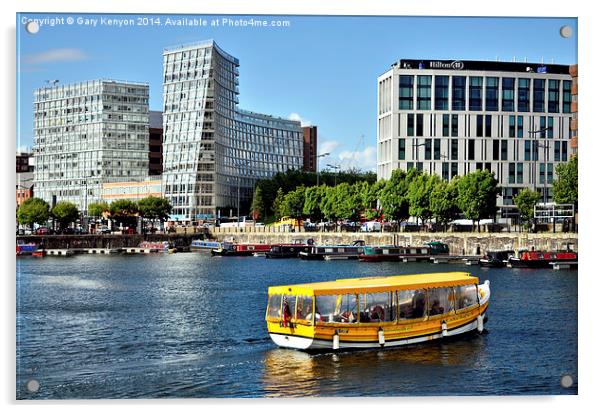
(292, 373)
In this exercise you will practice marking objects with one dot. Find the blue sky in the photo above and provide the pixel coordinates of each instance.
(321, 70)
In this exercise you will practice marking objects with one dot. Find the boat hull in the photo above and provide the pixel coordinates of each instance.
(314, 344)
(518, 263)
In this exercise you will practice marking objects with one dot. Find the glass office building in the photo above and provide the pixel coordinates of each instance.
(86, 134)
(453, 117)
(213, 152)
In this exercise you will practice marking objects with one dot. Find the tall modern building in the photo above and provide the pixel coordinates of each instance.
(213, 152)
(574, 70)
(453, 117)
(155, 143)
(310, 148)
(86, 134)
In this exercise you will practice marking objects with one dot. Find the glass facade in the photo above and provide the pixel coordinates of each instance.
(553, 96)
(424, 92)
(492, 94)
(441, 92)
(539, 94)
(475, 101)
(508, 94)
(406, 92)
(458, 93)
(524, 95)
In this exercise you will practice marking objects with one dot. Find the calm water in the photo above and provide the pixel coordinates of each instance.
(188, 325)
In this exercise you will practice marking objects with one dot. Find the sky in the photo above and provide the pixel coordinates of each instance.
(321, 70)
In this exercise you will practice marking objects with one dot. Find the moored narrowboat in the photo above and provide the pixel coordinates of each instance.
(204, 245)
(376, 312)
(160, 246)
(541, 259)
(26, 248)
(240, 250)
(334, 252)
(394, 253)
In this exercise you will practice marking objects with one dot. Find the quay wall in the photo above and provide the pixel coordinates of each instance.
(108, 240)
(459, 243)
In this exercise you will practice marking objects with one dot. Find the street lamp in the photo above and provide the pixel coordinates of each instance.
(536, 146)
(336, 168)
(318, 166)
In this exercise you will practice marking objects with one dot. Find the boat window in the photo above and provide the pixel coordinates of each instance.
(336, 308)
(288, 305)
(412, 304)
(274, 305)
(377, 307)
(441, 301)
(466, 296)
(305, 308)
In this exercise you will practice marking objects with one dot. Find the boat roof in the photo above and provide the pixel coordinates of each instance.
(377, 284)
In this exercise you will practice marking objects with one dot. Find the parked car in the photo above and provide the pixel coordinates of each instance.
(43, 231)
(371, 226)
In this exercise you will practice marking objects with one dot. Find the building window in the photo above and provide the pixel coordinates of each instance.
(550, 173)
(446, 125)
(539, 89)
(519, 173)
(535, 150)
(496, 150)
(454, 149)
(550, 132)
(557, 151)
(419, 166)
(410, 165)
(454, 126)
(512, 127)
(491, 94)
(437, 149)
(420, 124)
(475, 101)
(441, 92)
(527, 150)
(524, 92)
(402, 149)
(542, 172)
(508, 94)
(458, 93)
(488, 126)
(553, 96)
(427, 149)
(445, 171)
(471, 149)
(564, 151)
(410, 127)
(504, 155)
(406, 92)
(566, 96)
(511, 173)
(479, 126)
(424, 92)
(454, 169)
(519, 129)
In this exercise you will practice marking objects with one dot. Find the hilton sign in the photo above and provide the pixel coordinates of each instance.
(456, 65)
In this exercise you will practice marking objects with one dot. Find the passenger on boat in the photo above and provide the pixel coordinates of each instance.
(347, 317)
(377, 313)
(286, 312)
(436, 308)
(418, 302)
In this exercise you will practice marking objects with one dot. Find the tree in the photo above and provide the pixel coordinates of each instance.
(369, 197)
(96, 209)
(525, 202)
(444, 201)
(477, 193)
(393, 196)
(278, 204)
(313, 198)
(419, 196)
(565, 188)
(124, 211)
(257, 206)
(293, 203)
(65, 213)
(152, 207)
(33, 211)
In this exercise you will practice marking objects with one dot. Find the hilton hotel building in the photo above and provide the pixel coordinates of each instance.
(453, 117)
(213, 152)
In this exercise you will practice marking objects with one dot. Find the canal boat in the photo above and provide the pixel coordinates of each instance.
(394, 253)
(495, 258)
(204, 245)
(159, 246)
(334, 252)
(228, 249)
(291, 250)
(26, 248)
(541, 259)
(376, 312)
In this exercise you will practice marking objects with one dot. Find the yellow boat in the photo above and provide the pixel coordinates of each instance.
(375, 312)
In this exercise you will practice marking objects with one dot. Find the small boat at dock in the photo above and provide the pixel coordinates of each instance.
(204, 245)
(334, 252)
(228, 249)
(291, 250)
(495, 259)
(396, 253)
(160, 246)
(26, 248)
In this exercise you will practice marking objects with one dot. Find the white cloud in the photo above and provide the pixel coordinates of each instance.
(364, 160)
(54, 55)
(298, 118)
(327, 147)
